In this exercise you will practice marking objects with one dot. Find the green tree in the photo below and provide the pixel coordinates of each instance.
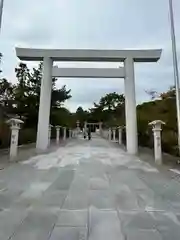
(22, 90)
(6, 92)
(61, 116)
(111, 101)
(110, 109)
(163, 108)
(81, 115)
(171, 93)
(27, 93)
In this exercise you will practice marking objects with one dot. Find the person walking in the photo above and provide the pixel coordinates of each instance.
(84, 133)
(89, 133)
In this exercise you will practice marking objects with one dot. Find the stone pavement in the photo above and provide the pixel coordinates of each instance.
(88, 190)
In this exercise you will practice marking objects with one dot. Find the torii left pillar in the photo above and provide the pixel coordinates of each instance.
(44, 106)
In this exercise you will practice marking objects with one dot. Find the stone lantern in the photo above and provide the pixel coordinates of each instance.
(15, 125)
(156, 128)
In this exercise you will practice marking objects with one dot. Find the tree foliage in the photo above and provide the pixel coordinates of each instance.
(23, 98)
(110, 109)
(6, 94)
(81, 115)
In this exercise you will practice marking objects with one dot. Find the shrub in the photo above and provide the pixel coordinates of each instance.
(27, 135)
(5, 134)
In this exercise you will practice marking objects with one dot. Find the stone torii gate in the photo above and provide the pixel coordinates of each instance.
(48, 56)
(99, 125)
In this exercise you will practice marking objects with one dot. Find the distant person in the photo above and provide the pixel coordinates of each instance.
(84, 133)
(89, 133)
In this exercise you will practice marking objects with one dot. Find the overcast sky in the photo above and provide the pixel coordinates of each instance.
(98, 24)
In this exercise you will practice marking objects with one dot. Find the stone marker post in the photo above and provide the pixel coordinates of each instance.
(74, 133)
(103, 134)
(85, 126)
(15, 127)
(114, 134)
(57, 134)
(106, 133)
(120, 128)
(64, 135)
(78, 126)
(100, 128)
(109, 134)
(70, 133)
(157, 140)
(49, 134)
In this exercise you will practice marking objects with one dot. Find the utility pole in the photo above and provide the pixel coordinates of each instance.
(1, 12)
(175, 66)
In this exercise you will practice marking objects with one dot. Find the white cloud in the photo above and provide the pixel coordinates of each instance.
(92, 24)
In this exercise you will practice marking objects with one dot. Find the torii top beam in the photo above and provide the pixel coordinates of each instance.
(31, 54)
(88, 72)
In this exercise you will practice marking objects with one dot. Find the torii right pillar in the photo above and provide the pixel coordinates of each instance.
(130, 107)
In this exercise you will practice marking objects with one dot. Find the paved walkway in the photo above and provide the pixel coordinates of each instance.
(88, 190)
